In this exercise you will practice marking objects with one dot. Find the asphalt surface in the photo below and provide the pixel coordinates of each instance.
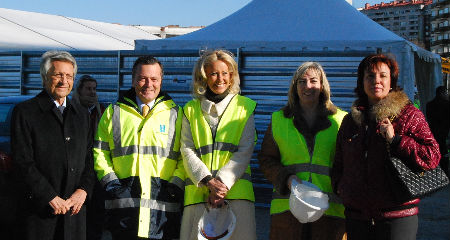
(434, 218)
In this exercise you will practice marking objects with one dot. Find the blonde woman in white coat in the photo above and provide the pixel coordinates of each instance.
(215, 90)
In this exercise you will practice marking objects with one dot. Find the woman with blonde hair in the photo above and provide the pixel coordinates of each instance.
(217, 140)
(299, 145)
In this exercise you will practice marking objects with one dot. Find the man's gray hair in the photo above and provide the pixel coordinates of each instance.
(50, 56)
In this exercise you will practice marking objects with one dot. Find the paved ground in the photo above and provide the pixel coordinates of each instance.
(434, 218)
(262, 223)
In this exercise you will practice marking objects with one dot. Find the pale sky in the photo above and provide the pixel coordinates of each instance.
(141, 12)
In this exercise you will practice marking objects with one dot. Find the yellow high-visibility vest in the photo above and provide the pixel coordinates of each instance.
(216, 152)
(316, 168)
(142, 154)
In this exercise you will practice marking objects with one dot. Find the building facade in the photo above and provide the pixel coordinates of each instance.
(408, 19)
(168, 31)
(440, 27)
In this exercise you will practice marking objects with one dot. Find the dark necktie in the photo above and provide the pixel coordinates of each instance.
(61, 109)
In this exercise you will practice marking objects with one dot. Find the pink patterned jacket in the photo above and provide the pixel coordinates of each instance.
(359, 174)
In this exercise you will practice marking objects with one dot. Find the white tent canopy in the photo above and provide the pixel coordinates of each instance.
(22, 30)
(285, 23)
(316, 25)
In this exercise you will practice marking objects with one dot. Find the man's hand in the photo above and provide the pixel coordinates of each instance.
(59, 205)
(76, 200)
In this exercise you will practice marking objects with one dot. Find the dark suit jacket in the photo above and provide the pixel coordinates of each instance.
(52, 157)
(438, 116)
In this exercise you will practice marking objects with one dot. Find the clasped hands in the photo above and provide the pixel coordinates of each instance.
(75, 202)
(218, 191)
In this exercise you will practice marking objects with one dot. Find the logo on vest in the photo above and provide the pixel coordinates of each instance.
(162, 128)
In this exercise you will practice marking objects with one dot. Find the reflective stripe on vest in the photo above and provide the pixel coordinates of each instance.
(331, 197)
(216, 153)
(141, 202)
(315, 168)
(101, 145)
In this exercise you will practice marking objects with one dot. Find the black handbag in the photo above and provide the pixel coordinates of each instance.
(408, 184)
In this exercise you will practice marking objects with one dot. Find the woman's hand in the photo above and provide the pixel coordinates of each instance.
(217, 187)
(218, 191)
(387, 130)
(291, 178)
(215, 201)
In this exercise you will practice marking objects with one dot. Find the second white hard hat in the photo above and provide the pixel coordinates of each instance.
(306, 202)
(217, 223)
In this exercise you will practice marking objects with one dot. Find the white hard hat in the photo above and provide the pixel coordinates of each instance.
(307, 203)
(217, 223)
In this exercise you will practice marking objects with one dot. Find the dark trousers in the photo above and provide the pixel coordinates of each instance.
(95, 218)
(386, 229)
(125, 235)
(284, 226)
(128, 235)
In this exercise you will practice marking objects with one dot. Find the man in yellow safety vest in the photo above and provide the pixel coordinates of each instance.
(137, 158)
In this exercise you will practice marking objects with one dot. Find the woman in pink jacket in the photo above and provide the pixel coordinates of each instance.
(381, 118)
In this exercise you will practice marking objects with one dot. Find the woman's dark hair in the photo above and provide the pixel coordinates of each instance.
(369, 63)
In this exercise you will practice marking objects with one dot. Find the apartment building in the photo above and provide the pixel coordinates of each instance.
(440, 27)
(168, 31)
(407, 18)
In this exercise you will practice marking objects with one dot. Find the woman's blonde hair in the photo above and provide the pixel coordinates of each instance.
(325, 93)
(199, 84)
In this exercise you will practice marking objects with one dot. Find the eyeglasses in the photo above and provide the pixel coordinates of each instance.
(61, 76)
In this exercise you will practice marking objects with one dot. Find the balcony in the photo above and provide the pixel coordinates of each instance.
(440, 3)
(440, 42)
(442, 29)
(441, 16)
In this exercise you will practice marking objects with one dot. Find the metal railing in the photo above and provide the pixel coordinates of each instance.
(265, 77)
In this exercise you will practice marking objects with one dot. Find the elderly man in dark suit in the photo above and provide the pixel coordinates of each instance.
(51, 147)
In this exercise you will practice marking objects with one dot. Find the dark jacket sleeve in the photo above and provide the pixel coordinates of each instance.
(270, 164)
(24, 163)
(336, 170)
(417, 141)
(87, 180)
